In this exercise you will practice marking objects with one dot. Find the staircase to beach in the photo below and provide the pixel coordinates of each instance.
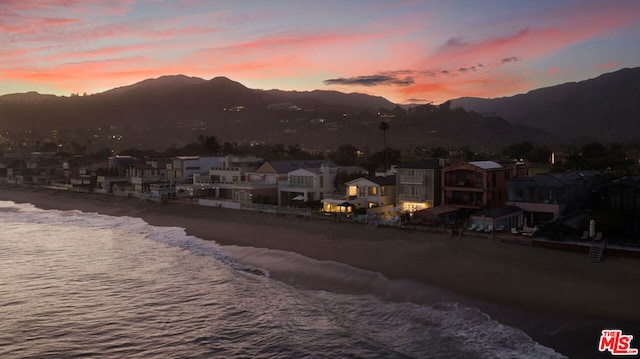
(596, 251)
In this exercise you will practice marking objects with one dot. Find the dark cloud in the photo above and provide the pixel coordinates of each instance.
(470, 68)
(417, 101)
(373, 80)
(453, 43)
(510, 59)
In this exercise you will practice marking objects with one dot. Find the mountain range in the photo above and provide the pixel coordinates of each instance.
(174, 110)
(604, 109)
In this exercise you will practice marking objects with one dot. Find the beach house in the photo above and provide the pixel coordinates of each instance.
(230, 179)
(548, 196)
(478, 184)
(182, 168)
(312, 182)
(418, 184)
(620, 202)
(371, 191)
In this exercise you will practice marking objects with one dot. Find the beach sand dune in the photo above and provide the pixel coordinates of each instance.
(557, 297)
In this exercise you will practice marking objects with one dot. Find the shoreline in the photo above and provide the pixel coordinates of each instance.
(557, 297)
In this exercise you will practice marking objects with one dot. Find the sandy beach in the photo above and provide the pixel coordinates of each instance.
(557, 297)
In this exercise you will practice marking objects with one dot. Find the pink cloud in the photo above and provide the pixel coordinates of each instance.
(484, 85)
(608, 66)
(567, 26)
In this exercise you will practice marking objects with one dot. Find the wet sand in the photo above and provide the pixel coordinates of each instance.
(557, 297)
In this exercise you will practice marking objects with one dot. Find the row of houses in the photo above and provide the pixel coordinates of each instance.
(487, 195)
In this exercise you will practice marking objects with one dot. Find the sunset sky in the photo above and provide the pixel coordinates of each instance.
(407, 51)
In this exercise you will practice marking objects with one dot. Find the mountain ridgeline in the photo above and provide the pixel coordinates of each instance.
(605, 109)
(174, 110)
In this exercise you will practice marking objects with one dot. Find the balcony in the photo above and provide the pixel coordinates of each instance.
(225, 169)
(412, 180)
(288, 184)
(463, 183)
(411, 197)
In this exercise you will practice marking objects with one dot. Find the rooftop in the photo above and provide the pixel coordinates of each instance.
(486, 165)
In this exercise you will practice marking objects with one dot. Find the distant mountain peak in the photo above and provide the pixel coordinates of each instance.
(27, 97)
(169, 82)
(225, 81)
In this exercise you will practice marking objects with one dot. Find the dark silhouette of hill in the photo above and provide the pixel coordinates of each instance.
(163, 83)
(31, 97)
(605, 108)
(174, 110)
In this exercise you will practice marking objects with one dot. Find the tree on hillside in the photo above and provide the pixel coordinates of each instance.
(209, 144)
(385, 157)
(345, 155)
(384, 126)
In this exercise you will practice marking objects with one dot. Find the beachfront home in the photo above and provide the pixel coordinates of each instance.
(182, 168)
(263, 184)
(117, 165)
(312, 182)
(230, 179)
(368, 192)
(418, 184)
(478, 184)
(143, 175)
(620, 202)
(548, 196)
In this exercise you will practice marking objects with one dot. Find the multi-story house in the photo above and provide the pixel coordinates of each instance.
(619, 199)
(182, 168)
(313, 182)
(230, 179)
(548, 196)
(262, 185)
(418, 184)
(367, 192)
(143, 175)
(233, 169)
(478, 184)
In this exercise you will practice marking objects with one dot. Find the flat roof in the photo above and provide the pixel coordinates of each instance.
(487, 165)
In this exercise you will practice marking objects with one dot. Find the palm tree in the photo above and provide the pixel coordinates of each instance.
(384, 126)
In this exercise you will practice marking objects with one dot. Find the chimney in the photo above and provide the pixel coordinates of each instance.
(455, 158)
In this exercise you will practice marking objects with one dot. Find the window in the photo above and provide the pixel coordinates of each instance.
(301, 181)
(373, 191)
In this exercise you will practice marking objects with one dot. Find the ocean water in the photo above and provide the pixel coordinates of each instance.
(85, 285)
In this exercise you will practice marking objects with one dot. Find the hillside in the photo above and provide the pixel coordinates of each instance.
(174, 110)
(605, 108)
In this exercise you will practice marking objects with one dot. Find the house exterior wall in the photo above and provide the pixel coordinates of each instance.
(314, 184)
(469, 186)
(183, 168)
(369, 194)
(548, 196)
(417, 188)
